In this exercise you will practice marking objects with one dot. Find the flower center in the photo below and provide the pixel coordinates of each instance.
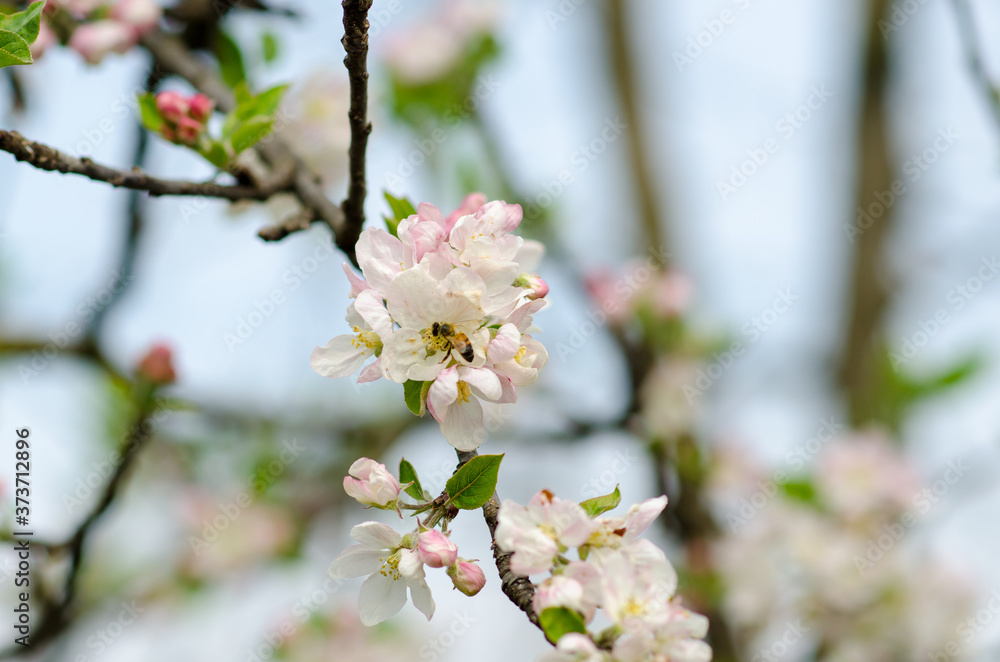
(390, 566)
(435, 343)
(464, 392)
(367, 339)
(521, 351)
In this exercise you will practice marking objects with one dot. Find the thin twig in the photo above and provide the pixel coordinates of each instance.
(974, 58)
(355, 42)
(48, 158)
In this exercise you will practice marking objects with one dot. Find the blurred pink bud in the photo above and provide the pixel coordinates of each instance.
(672, 294)
(603, 289)
(140, 15)
(371, 484)
(436, 550)
(158, 365)
(173, 106)
(539, 288)
(188, 130)
(467, 577)
(95, 40)
(201, 107)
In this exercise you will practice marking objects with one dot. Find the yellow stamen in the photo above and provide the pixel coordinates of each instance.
(464, 392)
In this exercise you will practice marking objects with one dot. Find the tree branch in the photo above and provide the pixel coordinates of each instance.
(355, 42)
(48, 158)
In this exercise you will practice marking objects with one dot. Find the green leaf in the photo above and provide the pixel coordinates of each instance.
(401, 208)
(557, 621)
(150, 114)
(25, 24)
(602, 504)
(407, 474)
(216, 154)
(230, 60)
(800, 490)
(251, 132)
(269, 47)
(475, 482)
(415, 394)
(13, 49)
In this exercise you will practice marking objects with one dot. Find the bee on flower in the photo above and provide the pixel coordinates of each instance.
(446, 303)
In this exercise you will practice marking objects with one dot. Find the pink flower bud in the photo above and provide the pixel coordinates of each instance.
(467, 577)
(539, 288)
(158, 365)
(371, 484)
(435, 549)
(173, 106)
(95, 40)
(188, 130)
(201, 107)
(140, 15)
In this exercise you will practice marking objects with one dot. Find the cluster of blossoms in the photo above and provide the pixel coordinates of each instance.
(185, 118)
(394, 562)
(101, 27)
(626, 576)
(445, 308)
(832, 550)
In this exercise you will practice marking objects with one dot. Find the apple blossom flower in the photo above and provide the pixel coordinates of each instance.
(435, 549)
(617, 532)
(453, 402)
(467, 577)
(636, 595)
(417, 301)
(539, 532)
(371, 484)
(344, 354)
(392, 565)
(95, 40)
(677, 638)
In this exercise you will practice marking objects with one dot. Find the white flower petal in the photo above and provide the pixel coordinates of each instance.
(376, 535)
(505, 345)
(337, 358)
(442, 393)
(463, 425)
(380, 598)
(355, 561)
(420, 593)
(484, 381)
